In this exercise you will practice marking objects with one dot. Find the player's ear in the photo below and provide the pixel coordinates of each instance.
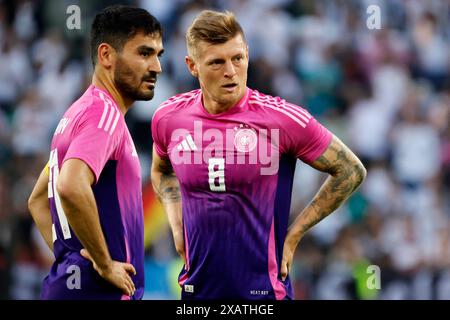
(105, 55)
(191, 66)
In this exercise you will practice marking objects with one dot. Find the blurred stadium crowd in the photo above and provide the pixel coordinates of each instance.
(385, 92)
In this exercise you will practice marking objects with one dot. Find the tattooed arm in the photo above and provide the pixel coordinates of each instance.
(167, 189)
(346, 174)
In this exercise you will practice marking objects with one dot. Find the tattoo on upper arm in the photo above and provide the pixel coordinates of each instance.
(341, 163)
(168, 189)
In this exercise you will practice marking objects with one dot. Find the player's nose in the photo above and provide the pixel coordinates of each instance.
(155, 66)
(230, 69)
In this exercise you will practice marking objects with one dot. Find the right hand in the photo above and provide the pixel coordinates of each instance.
(117, 273)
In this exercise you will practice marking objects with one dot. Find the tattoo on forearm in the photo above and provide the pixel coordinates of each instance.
(347, 173)
(168, 189)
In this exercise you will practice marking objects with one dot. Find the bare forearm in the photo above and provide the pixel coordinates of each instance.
(331, 195)
(346, 175)
(43, 219)
(167, 189)
(81, 211)
(40, 209)
(174, 216)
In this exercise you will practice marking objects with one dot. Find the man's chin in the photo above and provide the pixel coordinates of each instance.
(145, 95)
(146, 98)
(135, 94)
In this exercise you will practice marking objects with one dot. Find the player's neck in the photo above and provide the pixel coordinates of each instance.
(215, 107)
(101, 81)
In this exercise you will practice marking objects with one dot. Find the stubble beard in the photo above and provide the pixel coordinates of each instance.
(124, 80)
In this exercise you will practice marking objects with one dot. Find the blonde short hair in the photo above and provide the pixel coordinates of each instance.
(213, 27)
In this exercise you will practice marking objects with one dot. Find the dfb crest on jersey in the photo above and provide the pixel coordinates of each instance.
(245, 138)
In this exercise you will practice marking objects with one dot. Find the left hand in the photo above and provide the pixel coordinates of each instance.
(118, 273)
(288, 255)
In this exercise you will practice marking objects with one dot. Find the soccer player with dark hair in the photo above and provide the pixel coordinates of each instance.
(223, 165)
(87, 203)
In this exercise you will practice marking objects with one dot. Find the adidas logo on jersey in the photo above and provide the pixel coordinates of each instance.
(187, 144)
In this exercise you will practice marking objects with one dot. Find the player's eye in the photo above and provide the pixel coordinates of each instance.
(216, 62)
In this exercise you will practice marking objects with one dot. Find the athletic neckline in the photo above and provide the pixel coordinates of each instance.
(234, 109)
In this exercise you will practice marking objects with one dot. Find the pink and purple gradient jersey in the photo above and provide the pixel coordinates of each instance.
(236, 171)
(94, 130)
